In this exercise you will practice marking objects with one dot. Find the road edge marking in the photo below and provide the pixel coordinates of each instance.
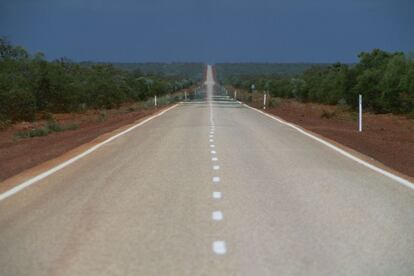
(392, 176)
(66, 163)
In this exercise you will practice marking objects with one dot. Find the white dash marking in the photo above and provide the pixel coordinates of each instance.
(212, 146)
(216, 179)
(216, 167)
(214, 159)
(211, 132)
(217, 195)
(217, 215)
(213, 152)
(211, 140)
(211, 136)
(219, 247)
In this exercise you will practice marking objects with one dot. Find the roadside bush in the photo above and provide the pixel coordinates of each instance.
(275, 102)
(4, 124)
(385, 79)
(328, 114)
(71, 126)
(31, 84)
(33, 133)
(54, 126)
(17, 105)
(51, 126)
(103, 115)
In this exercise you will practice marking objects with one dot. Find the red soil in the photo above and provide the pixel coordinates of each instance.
(387, 138)
(19, 154)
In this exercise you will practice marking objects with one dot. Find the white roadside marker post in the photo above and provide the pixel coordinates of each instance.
(155, 100)
(185, 95)
(235, 95)
(360, 114)
(264, 100)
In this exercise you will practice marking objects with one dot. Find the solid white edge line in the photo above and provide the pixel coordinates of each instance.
(45, 174)
(394, 177)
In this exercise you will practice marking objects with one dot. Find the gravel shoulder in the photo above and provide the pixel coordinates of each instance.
(19, 154)
(386, 138)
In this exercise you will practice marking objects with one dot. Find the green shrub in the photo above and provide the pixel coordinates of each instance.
(50, 127)
(71, 126)
(54, 126)
(275, 102)
(103, 115)
(17, 105)
(328, 114)
(33, 133)
(30, 84)
(385, 79)
(4, 124)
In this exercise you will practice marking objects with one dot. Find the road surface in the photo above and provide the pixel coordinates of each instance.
(210, 188)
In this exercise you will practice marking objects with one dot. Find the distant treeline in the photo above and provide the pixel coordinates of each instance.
(29, 84)
(194, 71)
(386, 81)
(226, 71)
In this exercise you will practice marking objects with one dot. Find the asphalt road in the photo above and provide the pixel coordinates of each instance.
(210, 188)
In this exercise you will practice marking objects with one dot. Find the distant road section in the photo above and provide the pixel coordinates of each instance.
(211, 187)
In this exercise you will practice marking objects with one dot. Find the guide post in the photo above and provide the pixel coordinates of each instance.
(360, 114)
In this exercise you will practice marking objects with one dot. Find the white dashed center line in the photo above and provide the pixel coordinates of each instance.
(219, 247)
(217, 215)
(217, 195)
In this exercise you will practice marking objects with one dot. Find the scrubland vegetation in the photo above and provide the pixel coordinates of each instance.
(30, 84)
(386, 81)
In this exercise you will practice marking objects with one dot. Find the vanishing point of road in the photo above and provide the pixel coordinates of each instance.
(210, 187)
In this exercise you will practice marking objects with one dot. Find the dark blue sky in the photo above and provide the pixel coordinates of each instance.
(209, 30)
